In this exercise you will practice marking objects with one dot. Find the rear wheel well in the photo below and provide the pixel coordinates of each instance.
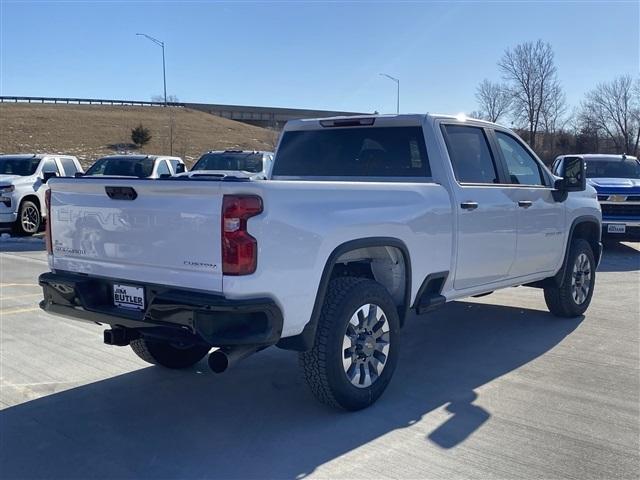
(384, 264)
(383, 259)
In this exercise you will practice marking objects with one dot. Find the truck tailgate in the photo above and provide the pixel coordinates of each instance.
(169, 234)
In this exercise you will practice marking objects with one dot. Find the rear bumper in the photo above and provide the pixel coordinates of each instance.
(169, 311)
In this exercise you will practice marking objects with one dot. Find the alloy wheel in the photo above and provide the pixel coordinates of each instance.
(30, 219)
(365, 346)
(581, 279)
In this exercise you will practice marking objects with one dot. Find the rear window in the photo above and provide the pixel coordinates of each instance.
(122, 166)
(353, 152)
(246, 162)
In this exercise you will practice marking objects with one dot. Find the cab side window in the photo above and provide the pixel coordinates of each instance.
(177, 166)
(49, 165)
(522, 168)
(470, 154)
(163, 168)
(69, 166)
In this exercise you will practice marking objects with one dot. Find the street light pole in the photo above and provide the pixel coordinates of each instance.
(397, 91)
(164, 71)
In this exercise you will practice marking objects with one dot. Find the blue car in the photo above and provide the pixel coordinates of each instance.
(616, 178)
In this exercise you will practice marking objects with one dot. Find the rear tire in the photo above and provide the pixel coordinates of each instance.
(572, 298)
(29, 219)
(356, 349)
(168, 355)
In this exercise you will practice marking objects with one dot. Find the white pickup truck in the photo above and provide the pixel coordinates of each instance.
(366, 220)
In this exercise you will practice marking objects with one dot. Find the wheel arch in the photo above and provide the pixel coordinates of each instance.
(343, 254)
(586, 227)
(31, 197)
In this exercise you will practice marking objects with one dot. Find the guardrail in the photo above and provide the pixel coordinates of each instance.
(86, 101)
(269, 117)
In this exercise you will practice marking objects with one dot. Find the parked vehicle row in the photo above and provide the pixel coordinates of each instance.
(363, 220)
(23, 178)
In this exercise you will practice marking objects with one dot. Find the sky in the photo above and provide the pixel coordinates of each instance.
(318, 55)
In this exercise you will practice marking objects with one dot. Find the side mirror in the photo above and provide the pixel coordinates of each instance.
(574, 178)
(48, 175)
(180, 168)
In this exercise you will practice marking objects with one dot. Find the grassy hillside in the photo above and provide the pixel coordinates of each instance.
(90, 131)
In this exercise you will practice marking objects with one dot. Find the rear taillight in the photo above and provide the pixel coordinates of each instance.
(47, 233)
(239, 249)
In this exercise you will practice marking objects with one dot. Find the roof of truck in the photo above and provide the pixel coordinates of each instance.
(599, 156)
(141, 157)
(239, 152)
(25, 156)
(385, 119)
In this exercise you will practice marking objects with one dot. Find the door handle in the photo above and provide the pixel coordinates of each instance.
(469, 205)
(525, 203)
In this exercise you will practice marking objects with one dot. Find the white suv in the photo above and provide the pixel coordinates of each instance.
(23, 182)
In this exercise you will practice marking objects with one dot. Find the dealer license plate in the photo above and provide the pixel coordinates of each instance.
(128, 296)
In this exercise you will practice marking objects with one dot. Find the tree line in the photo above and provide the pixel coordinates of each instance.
(530, 97)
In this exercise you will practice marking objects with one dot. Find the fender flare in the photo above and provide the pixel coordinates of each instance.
(304, 340)
(559, 278)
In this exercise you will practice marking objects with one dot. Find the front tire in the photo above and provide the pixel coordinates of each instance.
(168, 355)
(29, 219)
(356, 348)
(572, 298)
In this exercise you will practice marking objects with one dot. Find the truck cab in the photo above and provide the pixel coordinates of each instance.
(139, 166)
(247, 163)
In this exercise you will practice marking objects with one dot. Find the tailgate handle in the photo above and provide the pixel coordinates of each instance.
(121, 193)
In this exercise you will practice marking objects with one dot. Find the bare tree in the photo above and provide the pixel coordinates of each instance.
(478, 115)
(635, 112)
(494, 100)
(612, 108)
(553, 117)
(531, 72)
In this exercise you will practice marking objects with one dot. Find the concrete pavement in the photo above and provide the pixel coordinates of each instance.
(490, 388)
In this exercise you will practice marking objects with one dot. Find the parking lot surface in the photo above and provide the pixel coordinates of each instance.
(490, 388)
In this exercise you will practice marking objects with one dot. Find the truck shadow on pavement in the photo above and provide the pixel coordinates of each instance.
(258, 420)
(21, 244)
(620, 257)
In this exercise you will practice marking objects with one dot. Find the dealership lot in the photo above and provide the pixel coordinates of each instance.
(490, 388)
